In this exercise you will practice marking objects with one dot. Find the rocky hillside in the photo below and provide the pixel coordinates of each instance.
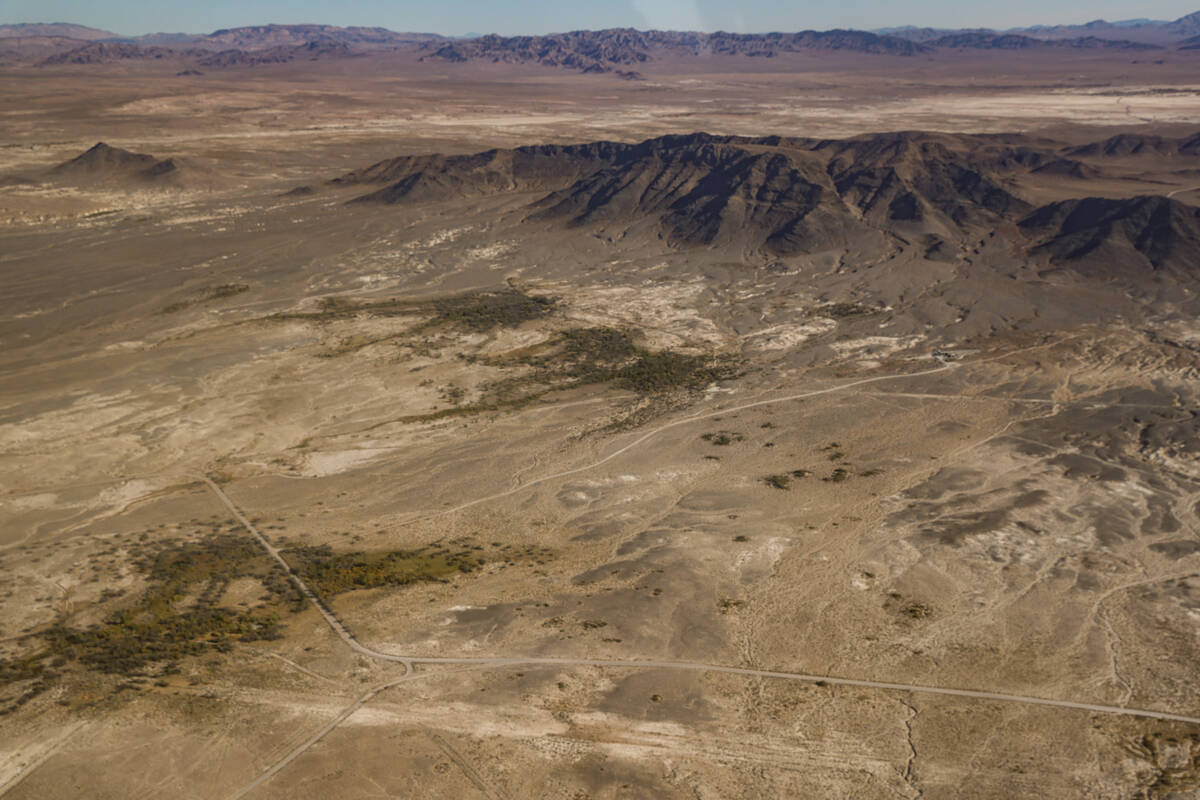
(781, 196)
(112, 166)
(1119, 236)
(619, 49)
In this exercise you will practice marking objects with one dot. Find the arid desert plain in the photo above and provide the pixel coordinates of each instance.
(820, 425)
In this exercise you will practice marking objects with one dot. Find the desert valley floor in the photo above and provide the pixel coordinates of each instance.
(578, 422)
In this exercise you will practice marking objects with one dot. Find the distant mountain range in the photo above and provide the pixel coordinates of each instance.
(255, 37)
(617, 50)
(1144, 31)
(56, 29)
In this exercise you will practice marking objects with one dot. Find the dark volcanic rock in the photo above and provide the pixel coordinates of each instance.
(103, 163)
(707, 190)
(1128, 144)
(771, 43)
(437, 177)
(104, 159)
(105, 52)
(929, 181)
(1120, 237)
(311, 51)
(1067, 168)
(779, 196)
(773, 193)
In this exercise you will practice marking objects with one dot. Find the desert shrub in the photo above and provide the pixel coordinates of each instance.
(723, 438)
(667, 370)
(841, 310)
(486, 310)
(330, 573)
(782, 481)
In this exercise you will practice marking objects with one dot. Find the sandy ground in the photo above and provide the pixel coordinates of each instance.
(1055, 469)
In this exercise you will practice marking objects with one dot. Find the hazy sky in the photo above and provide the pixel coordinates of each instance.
(543, 16)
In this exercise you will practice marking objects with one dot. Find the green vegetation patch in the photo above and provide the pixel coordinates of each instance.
(178, 615)
(330, 573)
(484, 311)
(782, 481)
(585, 356)
(842, 310)
(475, 311)
(837, 476)
(654, 373)
(588, 356)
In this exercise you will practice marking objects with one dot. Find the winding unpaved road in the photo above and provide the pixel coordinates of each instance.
(684, 421)
(499, 661)
(320, 734)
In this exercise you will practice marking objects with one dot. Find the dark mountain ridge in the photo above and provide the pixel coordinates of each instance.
(1113, 237)
(609, 50)
(988, 40)
(615, 50)
(109, 52)
(789, 196)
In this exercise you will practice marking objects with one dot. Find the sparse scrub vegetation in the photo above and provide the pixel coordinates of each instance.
(150, 635)
(602, 355)
(841, 310)
(476, 311)
(482, 312)
(782, 481)
(218, 292)
(723, 438)
(330, 573)
(587, 356)
(726, 605)
(837, 476)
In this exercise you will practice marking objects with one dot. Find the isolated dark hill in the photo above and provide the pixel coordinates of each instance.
(714, 191)
(103, 164)
(1067, 168)
(1119, 237)
(1128, 144)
